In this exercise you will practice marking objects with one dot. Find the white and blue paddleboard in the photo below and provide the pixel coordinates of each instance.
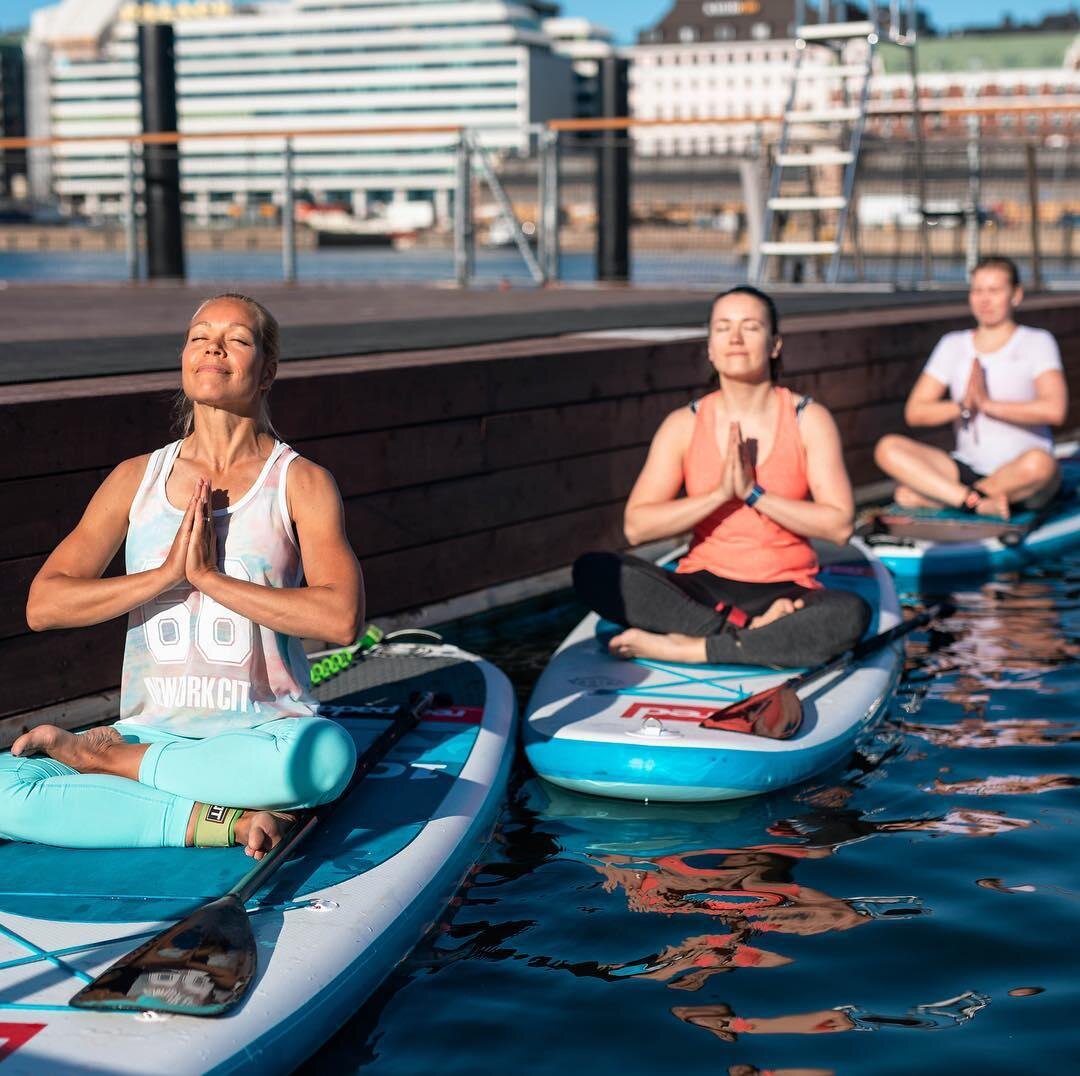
(632, 729)
(930, 545)
(329, 925)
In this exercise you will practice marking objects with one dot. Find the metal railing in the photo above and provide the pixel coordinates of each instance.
(1002, 177)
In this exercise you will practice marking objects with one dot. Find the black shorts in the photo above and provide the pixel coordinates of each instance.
(969, 476)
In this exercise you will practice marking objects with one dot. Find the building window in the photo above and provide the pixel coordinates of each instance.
(688, 34)
(723, 32)
(760, 31)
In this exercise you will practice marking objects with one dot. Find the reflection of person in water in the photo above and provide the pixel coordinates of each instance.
(1007, 637)
(724, 1024)
(685, 966)
(747, 885)
(832, 829)
(1009, 732)
(1005, 785)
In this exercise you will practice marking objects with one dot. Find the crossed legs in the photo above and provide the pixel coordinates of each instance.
(929, 477)
(129, 786)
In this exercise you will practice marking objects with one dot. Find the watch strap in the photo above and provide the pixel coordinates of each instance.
(754, 495)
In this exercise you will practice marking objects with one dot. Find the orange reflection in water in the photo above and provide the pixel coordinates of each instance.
(726, 1025)
(1006, 785)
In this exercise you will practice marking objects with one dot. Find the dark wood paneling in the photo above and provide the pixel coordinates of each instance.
(15, 579)
(39, 511)
(415, 577)
(460, 469)
(38, 670)
(401, 519)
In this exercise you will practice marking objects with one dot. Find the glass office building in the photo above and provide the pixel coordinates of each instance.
(307, 66)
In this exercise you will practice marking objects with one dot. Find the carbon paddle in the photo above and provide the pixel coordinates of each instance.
(204, 965)
(777, 711)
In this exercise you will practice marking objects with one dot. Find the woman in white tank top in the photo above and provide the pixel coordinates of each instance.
(218, 736)
(1002, 387)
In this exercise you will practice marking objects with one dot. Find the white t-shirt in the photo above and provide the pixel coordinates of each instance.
(985, 443)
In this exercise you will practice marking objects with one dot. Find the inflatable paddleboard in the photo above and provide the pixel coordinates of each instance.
(926, 544)
(631, 729)
(329, 925)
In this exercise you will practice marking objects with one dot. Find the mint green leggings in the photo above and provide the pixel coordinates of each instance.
(295, 762)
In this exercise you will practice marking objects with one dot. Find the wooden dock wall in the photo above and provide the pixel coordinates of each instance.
(460, 469)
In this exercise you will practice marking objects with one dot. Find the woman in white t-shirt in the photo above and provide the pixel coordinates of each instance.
(1002, 387)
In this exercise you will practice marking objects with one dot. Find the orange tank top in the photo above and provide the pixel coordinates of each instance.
(737, 541)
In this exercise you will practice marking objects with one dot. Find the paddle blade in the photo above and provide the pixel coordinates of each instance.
(201, 966)
(775, 713)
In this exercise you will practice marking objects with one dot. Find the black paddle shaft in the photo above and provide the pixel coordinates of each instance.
(375, 752)
(156, 975)
(876, 642)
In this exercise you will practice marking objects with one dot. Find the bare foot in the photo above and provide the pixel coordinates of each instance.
(635, 643)
(259, 831)
(87, 752)
(780, 608)
(993, 504)
(908, 498)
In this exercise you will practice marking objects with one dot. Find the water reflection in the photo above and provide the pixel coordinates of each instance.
(1005, 636)
(686, 966)
(931, 1016)
(1005, 785)
(751, 888)
(981, 734)
(582, 893)
(833, 829)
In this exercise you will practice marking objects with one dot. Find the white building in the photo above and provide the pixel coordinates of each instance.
(715, 59)
(296, 65)
(1039, 69)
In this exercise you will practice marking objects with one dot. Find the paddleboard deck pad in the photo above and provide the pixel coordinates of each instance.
(329, 925)
(934, 543)
(632, 729)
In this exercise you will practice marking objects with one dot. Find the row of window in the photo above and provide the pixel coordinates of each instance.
(70, 74)
(300, 32)
(938, 121)
(722, 31)
(709, 59)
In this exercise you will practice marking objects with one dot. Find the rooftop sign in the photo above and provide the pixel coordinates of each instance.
(718, 9)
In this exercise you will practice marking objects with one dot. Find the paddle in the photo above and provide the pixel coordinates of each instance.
(203, 965)
(777, 711)
(1042, 515)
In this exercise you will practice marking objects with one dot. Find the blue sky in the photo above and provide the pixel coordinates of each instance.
(626, 17)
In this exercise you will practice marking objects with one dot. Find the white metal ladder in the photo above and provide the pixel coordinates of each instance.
(816, 141)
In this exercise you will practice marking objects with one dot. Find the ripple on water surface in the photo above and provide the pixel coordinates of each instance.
(914, 911)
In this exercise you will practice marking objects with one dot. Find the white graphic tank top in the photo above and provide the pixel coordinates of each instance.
(191, 666)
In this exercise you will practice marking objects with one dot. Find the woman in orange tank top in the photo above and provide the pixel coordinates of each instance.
(763, 473)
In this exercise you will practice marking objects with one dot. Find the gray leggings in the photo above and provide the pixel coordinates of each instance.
(631, 591)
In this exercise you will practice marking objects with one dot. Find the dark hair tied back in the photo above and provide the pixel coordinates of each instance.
(775, 361)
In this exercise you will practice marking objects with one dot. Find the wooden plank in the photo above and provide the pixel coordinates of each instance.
(39, 511)
(400, 519)
(76, 713)
(58, 436)
(403, 456)
(38, 670)
(407, 578)
(515, 438)
(15, 579)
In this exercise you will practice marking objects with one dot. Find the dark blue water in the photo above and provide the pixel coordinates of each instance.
(915, 910)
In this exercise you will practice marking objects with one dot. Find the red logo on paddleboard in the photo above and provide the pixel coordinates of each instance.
(458, 715)
(667, 712)
(12, 1036)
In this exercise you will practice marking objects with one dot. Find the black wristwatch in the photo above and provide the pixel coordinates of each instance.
(965, 415)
